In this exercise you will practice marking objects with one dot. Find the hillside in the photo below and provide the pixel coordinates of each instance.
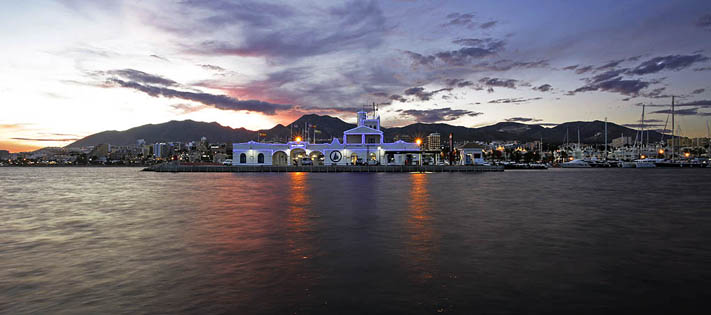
(329, 127)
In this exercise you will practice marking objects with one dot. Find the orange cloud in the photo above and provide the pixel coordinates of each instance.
(13, 146)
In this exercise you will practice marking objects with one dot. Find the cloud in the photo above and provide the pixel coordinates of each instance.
(646, 126)
(420, 93)
(522, 119)
(697, 103)
(693, 111)
(460, 19)
(420, 59)
(582, 70)
(142, 77)
(218, 101)
(698, 91)
(279, 30)
(703, 69)
(515, 100)
(496, 82)
(610, 64)
(439, 114)
(212, 67)
(160, 58)
(187, 108)
(573, 67)
(543, 88)
(47, 139)
(704, 21)
(458, 82)
(616, 85)
(606, 75)
(475, 49)
(487, 25)
(671, 62)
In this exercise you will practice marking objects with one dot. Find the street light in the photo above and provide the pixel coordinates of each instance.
(418, 141)
(298, 139)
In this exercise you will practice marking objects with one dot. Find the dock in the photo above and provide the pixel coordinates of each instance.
(176, 168)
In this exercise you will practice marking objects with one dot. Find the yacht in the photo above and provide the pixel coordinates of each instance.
(575, 164)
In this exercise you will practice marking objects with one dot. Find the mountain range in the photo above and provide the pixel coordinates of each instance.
(591, 132)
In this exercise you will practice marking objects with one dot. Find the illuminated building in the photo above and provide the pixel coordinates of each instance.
(363, 144)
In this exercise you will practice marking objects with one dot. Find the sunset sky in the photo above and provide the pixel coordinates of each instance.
(73, 68)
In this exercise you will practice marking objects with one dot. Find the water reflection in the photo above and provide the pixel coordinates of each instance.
(419, 245)
(298, 215)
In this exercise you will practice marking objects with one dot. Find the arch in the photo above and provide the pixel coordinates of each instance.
(296, 156)
(260, 158)
(354, 158)
(317, 157)
(242, 158)
(279, 158)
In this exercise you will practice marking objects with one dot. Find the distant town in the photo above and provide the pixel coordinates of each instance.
(435, 147)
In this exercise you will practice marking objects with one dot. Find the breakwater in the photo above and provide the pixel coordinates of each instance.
(325, 168)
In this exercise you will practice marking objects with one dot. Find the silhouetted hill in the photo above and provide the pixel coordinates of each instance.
(329, 127)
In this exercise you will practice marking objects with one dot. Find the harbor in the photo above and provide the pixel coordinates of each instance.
(166, 167)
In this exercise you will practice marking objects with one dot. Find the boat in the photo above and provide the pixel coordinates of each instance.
(627, 164)
(577, 163)
(645, 163)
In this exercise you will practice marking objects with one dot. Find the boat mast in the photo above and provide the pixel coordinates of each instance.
(605, 138)
(672, 129)
(641, 138)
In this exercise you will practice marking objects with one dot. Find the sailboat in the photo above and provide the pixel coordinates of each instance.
(643, 162)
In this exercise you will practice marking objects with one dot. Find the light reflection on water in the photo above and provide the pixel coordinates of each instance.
(98, 240)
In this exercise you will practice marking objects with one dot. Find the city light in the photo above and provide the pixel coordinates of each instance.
(687, 154)
(643, 156)
(661, 151)
(418, 141)
(298, 139)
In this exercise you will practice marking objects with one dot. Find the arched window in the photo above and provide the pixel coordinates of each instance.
(243, 158)
(260, 158)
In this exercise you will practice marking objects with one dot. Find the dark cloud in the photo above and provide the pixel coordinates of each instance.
(439, 114)
(703, 69)
(47, 139)
(489, 24)
(212, 67)
(420, 59)
(573, 67)
(496, 82)
(616, 85)
(516, 100)
(646, 126)
(582, 70)
(399, 98)
(522, 119)
(704, 21)
(160, 58)
(656, 93)
(460, 19)
(607, 75)
(698, 91)
(421, 94)
(697, 103)
(280, 30)
(610, 64)
(464, 56)
(458, 82)
(475, 49)
(218, 101)
(693, 111)
(142, 77)
(543, 88)
(671, 62)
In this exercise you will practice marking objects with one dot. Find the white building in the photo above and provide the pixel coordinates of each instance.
(471, 154)
(363, 144)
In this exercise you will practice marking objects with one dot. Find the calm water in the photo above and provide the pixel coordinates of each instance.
(116, 240)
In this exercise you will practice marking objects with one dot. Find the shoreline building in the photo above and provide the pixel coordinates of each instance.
(362, 145)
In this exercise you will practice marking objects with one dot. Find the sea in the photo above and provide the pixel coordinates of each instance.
(107, 240)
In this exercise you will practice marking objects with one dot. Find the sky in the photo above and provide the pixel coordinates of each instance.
(72, 68)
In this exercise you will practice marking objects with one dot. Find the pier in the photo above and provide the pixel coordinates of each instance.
(326, 168)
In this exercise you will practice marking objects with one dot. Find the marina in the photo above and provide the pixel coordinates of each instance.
(326, 168)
